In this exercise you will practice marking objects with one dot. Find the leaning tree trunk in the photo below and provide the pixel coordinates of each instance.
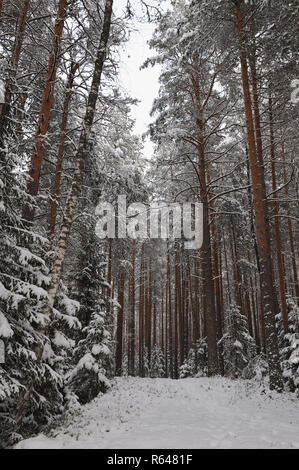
(261, 231)
(45, 109)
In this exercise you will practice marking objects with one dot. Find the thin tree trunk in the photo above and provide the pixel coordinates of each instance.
(263, 245)
(177, 311)
(170, 330)
(131, 326)
(196, 323)
(166, 328)
(141, 316)
(276, 222)
(291, 237)
(120, 325)
(60, 155)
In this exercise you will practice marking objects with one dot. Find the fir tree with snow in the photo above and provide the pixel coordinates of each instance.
(238, 345)
(196, 363)
(93, 351)
(289, 347)
(157, 363)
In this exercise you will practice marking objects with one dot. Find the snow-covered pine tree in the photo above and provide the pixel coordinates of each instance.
(24, 278)
(238, 345)
(157, 363)
(188, 368)
(93, 352)
(289, 347)
(196, 363)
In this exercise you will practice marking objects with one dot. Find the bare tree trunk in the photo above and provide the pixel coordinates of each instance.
(170, 323)
(120, 324)
(206, 252)
(166, 329)
(141, 316)
(276, 222)
(131, 321)
(45, 109)
(291, 237)
(58, 170)
(149, 313)
(262, 239)
(196, 323)
(154, 324)
(177, 312)
(162, 321)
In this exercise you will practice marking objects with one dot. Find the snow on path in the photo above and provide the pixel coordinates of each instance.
(187, 414)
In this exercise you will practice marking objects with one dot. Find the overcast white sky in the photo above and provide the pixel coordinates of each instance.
(140, 84)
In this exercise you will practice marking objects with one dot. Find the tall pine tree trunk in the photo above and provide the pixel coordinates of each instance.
(291, 236)
(263, 243)
(276, 222)
(120, 324)
(45, 109)
(141, 316)
(14, 63)
(131, 321)
(206, 252)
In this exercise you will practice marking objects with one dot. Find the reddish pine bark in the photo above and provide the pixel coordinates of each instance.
(170, 323)
(131, 322)
(263, 245)
(196, 322)
(141, 316)
(14, 62)
(291, 237)
(177, 312)
(45, 109)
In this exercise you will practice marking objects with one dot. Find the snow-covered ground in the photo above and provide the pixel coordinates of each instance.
(190, 413)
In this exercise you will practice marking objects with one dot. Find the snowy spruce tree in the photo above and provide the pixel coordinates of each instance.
(289, 347)
(24, 278)
(157, 369)
(238, 345)
(196, 363)
(93, 351)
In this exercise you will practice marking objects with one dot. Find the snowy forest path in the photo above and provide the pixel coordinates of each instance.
(189, 413)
